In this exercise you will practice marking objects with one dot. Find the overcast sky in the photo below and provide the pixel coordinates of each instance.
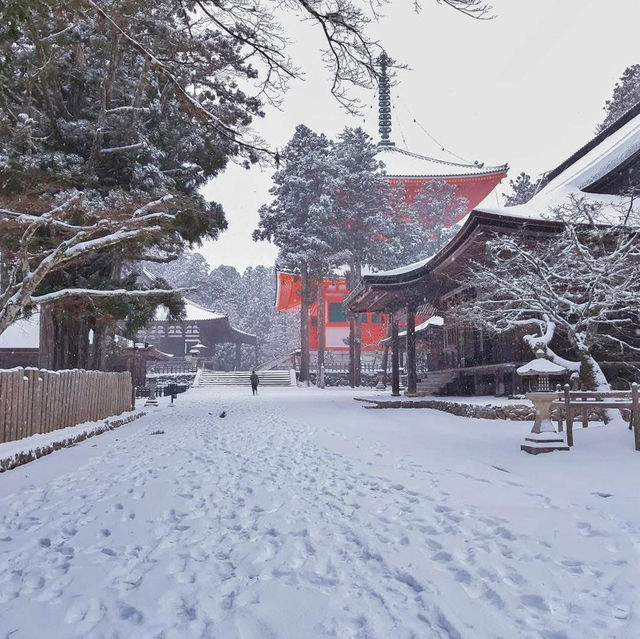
(526, 88)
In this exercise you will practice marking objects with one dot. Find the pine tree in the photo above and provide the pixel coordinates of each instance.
(626, 94)
(301, 219)
(371, 227)
(522, 190)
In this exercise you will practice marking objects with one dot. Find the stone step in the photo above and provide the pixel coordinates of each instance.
(242, 378)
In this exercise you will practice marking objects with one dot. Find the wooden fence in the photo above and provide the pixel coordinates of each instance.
(39, 401)
(583, 402)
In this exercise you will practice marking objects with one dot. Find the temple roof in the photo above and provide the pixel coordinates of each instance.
(402, 163)
(23, 333)
(193, 312)
(610, 151)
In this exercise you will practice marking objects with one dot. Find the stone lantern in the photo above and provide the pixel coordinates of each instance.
(543, 438)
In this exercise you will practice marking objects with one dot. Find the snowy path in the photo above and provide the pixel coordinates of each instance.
(301, 515)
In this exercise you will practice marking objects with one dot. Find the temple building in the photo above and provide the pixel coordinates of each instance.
(374, 325)
(472, 183)
(463, 359)
(197, 337)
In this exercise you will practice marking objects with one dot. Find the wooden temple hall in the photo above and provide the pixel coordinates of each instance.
(460, 358)
(198, 337)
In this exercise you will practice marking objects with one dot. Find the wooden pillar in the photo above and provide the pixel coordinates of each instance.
(255, 355)
(238, 356)
(411, 350)
(395, 358)
(352, 355)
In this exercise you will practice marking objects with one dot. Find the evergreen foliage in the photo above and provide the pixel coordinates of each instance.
(522, 190)
(626, 94)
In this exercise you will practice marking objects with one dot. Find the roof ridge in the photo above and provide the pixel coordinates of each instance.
(204, 308)
(439, 161)
(629, 115)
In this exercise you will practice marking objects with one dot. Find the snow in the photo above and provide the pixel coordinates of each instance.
(596, 163)
(400, 162)
(434, 320)
(541, 366)
(300, 514)
(401, 270)
(24, 333)
(193, 312)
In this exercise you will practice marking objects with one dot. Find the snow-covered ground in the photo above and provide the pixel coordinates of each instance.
(302, 515)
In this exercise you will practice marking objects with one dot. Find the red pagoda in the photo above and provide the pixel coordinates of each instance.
(473, 182)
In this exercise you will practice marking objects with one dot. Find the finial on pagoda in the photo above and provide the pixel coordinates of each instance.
(384, 102)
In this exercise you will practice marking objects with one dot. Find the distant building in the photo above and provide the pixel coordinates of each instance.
(200, 326)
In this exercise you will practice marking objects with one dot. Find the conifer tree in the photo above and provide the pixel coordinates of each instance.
(302, 218)
(522, 190)
(626, 94)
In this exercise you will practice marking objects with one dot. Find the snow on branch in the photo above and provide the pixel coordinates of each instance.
(28, 267)
(56, 296)
(582, 283)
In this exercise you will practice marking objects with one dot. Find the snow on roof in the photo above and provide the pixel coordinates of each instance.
(403, 163)
(404, 269)
(434, 320)
(24, 333)
(193, 312)
(595, 163)
(541, 366)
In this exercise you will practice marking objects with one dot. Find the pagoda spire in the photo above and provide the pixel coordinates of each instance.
(384, 101)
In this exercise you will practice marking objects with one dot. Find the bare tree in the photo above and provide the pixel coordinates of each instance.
(582, 285)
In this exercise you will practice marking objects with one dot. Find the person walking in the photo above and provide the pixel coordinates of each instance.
(255, 380)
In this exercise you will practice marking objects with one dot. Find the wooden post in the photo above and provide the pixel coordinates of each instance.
(559, 396)
(411, 350)
(585, 415)
(395, 358)
(568, 414)
(635, 415)
(357, 352)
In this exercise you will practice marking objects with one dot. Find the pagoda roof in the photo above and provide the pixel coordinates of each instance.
(402, 163)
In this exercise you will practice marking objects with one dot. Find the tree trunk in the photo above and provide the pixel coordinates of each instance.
(304, 325)
(47, 338)
(321, 336)
(357, 347)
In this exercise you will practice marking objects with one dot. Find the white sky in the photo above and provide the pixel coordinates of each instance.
(526, 88)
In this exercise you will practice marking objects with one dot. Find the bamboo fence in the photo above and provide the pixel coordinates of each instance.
(35, 401)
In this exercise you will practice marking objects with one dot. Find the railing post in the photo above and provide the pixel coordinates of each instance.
(635, 415)
(568, 414)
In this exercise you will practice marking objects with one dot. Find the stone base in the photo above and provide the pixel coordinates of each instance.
(151, 402)
(536, 443)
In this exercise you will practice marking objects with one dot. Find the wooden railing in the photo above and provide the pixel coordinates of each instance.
(178, 367)
(573, 403)
(38, 401)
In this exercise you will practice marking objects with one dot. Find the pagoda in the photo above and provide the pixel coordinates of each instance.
(473, 182)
